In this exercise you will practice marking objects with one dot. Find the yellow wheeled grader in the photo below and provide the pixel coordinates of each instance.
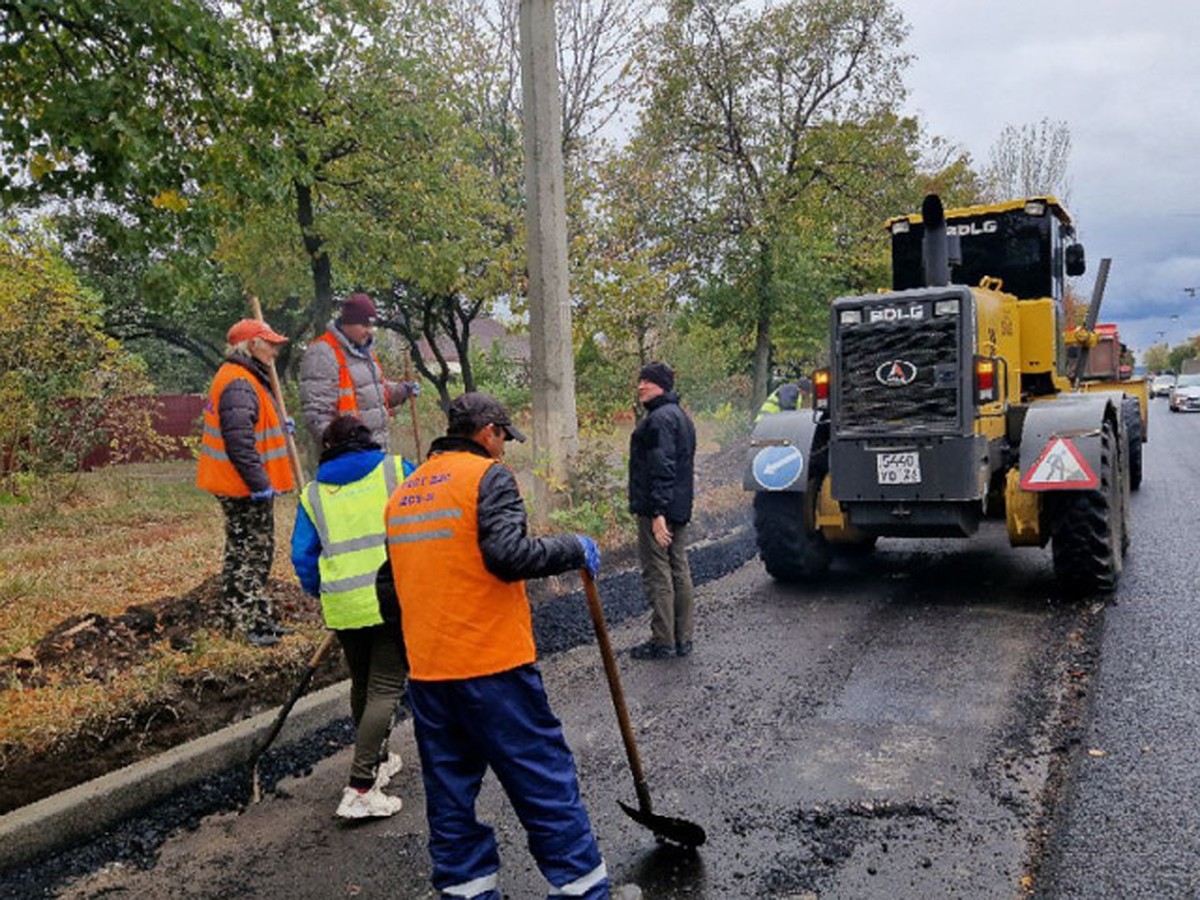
(949, 401)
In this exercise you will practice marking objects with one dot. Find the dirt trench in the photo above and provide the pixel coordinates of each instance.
(99, 649)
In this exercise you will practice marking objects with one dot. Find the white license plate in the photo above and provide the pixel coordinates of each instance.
(898, 468)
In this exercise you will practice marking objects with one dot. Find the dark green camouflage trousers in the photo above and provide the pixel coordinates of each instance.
(249, 551)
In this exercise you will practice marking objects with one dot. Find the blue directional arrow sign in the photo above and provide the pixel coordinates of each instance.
(776, 468)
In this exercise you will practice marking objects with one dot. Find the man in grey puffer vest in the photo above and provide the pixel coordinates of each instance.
(341, 375)
(662, 454)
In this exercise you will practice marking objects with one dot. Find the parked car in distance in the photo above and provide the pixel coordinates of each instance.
(1160, 385)
(1185, 395)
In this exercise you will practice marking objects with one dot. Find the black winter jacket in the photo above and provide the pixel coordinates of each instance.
(238, 415)
(508, 551)
(662, 453)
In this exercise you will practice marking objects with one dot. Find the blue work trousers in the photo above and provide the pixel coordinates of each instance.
(502, 721)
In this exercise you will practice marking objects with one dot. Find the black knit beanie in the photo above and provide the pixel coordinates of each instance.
(659, 373)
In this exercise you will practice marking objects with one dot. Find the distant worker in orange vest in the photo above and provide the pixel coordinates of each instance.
(244, 463)
(460, 550)
(340, 375)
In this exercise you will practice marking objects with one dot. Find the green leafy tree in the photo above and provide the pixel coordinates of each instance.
(1157, 357)
(749, 102)
(1180, 353)
(299, 135)
(108, 98)
(107, 110)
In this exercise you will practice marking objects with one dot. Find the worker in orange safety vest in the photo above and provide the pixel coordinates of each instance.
(244, 464)
(460, 551)
(341, 375)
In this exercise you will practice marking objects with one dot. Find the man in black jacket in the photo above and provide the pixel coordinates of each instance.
(662, 451)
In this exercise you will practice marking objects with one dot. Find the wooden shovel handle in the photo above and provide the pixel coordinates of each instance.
(412, 406)
(277, 391)
(614, 685)
(305, 677)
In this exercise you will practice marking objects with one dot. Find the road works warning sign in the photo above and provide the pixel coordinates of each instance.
(1060, 467)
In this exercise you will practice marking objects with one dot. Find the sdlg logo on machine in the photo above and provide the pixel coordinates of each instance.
(896, 373)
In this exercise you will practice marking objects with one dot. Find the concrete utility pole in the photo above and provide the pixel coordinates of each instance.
(555, 430)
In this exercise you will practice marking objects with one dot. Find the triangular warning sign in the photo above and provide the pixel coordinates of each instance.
(1060, 467)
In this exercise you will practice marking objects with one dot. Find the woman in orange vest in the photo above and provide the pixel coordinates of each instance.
(460, 550)
(340, 375)
(244, 464)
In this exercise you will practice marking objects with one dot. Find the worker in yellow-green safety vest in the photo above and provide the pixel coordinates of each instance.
(339, 544)
(789, 395)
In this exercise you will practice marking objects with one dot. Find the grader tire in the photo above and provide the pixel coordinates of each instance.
(1131, 412)
(789, 547)
(1087, 528)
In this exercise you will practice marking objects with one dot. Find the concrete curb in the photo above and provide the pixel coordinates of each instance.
(60, 820)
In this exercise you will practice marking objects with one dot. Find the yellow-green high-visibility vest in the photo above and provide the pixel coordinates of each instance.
(349, 519)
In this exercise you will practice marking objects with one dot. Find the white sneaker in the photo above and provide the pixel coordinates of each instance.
(368, 804)
(387, 770)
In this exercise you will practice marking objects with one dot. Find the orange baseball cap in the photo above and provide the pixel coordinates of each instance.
(248, 329)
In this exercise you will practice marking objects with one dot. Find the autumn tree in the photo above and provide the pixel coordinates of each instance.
(292, 150)
(65, 387)
(623, 268)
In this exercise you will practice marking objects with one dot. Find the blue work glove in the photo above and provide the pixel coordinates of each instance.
(264, 494)
(289, 425)
(414, 388)
(591, 554)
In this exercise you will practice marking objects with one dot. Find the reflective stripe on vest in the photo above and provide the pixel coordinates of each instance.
(460, 620)
(215, 473)
(347, 395)
(349, 520)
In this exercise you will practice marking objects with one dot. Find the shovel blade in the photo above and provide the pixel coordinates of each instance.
(677, 831)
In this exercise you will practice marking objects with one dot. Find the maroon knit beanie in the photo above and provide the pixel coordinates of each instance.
(358, 309)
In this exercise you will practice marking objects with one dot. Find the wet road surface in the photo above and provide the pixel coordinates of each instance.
(881, 735)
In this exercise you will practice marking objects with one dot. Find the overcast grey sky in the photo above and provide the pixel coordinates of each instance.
(1125, 77)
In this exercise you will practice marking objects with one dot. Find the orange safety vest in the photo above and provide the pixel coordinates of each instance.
(216, 474)
(347, 398)
(459, 620)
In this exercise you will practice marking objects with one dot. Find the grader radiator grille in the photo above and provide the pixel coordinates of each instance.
(874, 359)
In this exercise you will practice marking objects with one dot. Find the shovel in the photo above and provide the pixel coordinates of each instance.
(678, 831)
(261, 748)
